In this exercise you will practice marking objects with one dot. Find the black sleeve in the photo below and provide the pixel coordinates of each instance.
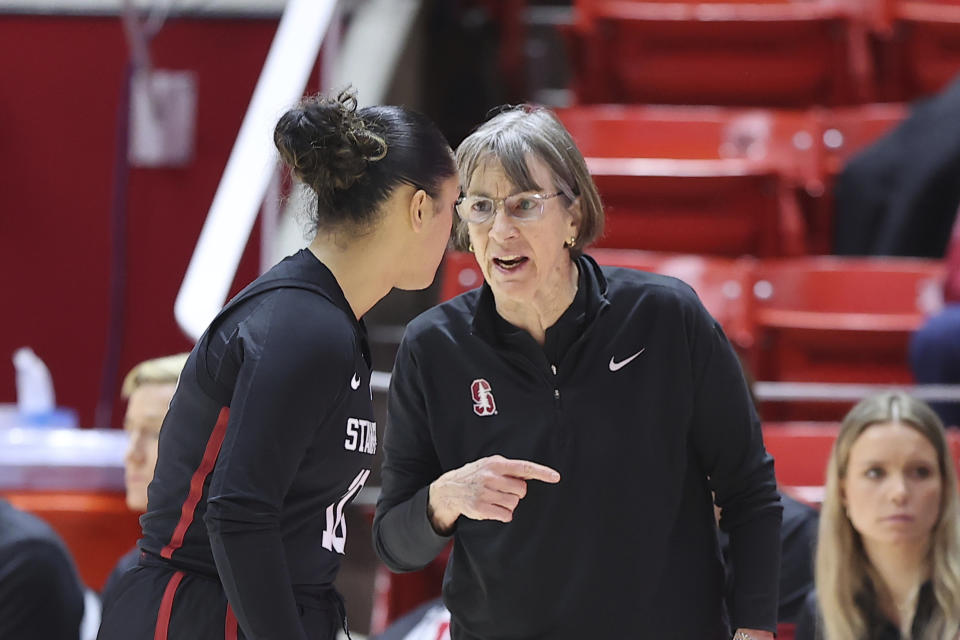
(288, 381)
(809, 620)
(728, 440)
(799, 536)
(402, 534)
(40, 594)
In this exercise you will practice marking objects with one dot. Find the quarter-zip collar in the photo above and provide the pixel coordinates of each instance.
(591, 297)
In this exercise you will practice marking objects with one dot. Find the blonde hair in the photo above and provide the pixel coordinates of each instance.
(842, 568)
(165, 370)
(508, 138)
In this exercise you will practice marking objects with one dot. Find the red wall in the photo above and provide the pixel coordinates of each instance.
(59, 90)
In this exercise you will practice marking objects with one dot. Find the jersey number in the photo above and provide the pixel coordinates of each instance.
(335, 534)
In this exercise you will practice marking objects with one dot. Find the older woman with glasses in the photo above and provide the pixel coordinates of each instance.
(567, 424)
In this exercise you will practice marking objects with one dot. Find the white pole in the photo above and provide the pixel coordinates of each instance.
(248, 172)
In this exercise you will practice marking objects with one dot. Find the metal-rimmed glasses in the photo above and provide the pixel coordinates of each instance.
(521, 207)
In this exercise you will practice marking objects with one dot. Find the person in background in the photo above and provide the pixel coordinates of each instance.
(899, 196)
(565, 424)
(935, 346)
(888, 551)
(148, 389)
(271, 432)
(41, 595)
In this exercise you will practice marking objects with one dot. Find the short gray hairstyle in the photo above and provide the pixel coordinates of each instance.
(507, 138)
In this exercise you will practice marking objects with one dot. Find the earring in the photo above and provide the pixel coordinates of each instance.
(470, 247)
(568, 243)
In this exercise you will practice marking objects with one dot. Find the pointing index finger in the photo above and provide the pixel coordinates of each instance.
(531, 471)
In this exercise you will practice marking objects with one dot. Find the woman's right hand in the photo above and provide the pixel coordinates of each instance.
(486, 489)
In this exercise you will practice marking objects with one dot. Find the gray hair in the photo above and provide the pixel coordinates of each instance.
(508, 138)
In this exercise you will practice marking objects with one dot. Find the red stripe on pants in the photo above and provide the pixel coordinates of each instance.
(230, 625)
(189, 508)
(166, 607)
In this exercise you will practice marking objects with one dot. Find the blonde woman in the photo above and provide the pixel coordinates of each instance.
(148, 390)
(888, 557)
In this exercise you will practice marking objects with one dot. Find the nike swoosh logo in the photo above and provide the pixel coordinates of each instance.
(355, 382)
(616, 366)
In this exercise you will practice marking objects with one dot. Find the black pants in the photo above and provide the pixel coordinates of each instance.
(158, 602)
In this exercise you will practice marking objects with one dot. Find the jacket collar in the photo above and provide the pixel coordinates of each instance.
(592, 282)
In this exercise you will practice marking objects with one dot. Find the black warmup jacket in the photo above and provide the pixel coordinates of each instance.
(269, 435)
(643, 409)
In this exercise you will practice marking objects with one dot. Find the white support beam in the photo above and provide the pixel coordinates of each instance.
(252, 162)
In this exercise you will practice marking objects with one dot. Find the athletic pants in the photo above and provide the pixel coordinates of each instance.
(163, 603)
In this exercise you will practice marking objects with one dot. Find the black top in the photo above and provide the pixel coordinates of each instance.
(643, 414)
(810, 626)
(126, 562)
(255, 493)
(41, 596)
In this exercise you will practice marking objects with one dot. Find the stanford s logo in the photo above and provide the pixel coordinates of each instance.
(483, 402)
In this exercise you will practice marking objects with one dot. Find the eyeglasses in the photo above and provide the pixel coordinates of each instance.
(521, 207)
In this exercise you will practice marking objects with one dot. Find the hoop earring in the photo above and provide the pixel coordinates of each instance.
(470, 247)
(569, 242)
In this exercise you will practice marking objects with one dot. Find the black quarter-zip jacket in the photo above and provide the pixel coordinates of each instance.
(644, 411)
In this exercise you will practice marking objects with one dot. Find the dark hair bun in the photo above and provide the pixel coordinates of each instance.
(327, 144)
(341, 153)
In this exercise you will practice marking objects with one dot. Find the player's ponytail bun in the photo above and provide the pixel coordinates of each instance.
(352, 159)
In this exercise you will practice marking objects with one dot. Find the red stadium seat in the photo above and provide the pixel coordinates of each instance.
(846, 131)
(779, 138)
(804, 149)
(718, 207)
(772, 53)
(923, 53)
(700, 179)
(800, 451)
(840, 320)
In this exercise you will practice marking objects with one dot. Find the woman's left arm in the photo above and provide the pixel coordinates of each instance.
(727, 438)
